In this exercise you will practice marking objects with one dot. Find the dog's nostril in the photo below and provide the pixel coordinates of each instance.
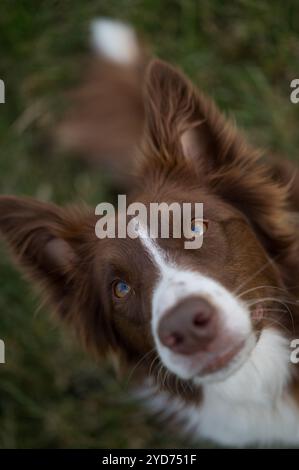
(173, 339)
(201, 319)
(189, 326)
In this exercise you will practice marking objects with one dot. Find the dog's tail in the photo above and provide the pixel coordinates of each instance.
(104, 122)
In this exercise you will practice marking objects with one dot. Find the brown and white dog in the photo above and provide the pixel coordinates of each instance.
(209, 330)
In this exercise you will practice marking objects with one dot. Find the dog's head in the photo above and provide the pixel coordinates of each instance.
(199, 313)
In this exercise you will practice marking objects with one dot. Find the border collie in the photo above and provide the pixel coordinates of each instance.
(209, 330)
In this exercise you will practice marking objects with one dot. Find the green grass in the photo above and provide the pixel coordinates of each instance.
(243, 53)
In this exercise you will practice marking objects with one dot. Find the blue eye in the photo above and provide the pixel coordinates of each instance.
(196, 229)
(121, 289)
(199, 226)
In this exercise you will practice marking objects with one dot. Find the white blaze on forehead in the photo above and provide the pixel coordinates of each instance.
(115, 40)
(156, 253)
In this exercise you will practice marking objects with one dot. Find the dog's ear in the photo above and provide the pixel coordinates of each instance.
(45, 241)
(185, 128)
(182, 122)
(55, 248)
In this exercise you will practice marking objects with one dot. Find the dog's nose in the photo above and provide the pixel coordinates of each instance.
(188, 327)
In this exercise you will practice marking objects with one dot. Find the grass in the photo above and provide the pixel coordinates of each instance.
(243, 53)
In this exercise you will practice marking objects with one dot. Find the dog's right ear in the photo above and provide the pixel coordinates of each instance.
(54, 247)
(45, 241)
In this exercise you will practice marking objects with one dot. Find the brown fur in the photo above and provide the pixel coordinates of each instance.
(189, 153)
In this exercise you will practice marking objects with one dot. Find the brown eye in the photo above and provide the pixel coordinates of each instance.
(121, 289)
(199, 227)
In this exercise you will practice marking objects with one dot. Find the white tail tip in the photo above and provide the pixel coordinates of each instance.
(115, 40)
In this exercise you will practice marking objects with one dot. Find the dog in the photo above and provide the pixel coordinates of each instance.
(209, 330)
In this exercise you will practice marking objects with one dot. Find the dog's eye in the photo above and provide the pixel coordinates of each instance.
(199, 227)
(121, 289)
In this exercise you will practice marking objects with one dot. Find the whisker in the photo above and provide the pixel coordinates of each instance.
(274, 299)
(168, 379)
(152, 364)
(270, 309)
(138, 364)
(159, 372)
(261, 287)
(177, 385)
(165, 378)
(261, 269)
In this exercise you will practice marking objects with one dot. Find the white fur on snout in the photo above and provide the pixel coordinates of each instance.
(114, 40)
(174, 285)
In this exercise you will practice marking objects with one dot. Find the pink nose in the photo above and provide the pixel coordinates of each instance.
(188, 327)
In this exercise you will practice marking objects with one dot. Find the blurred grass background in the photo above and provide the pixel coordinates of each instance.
(243, 53)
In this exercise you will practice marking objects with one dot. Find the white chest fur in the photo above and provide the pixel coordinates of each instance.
(251, 407)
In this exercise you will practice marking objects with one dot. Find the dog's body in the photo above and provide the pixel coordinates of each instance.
(209, 329)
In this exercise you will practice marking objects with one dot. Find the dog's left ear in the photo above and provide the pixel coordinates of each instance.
(185, 128)
(182, 122)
